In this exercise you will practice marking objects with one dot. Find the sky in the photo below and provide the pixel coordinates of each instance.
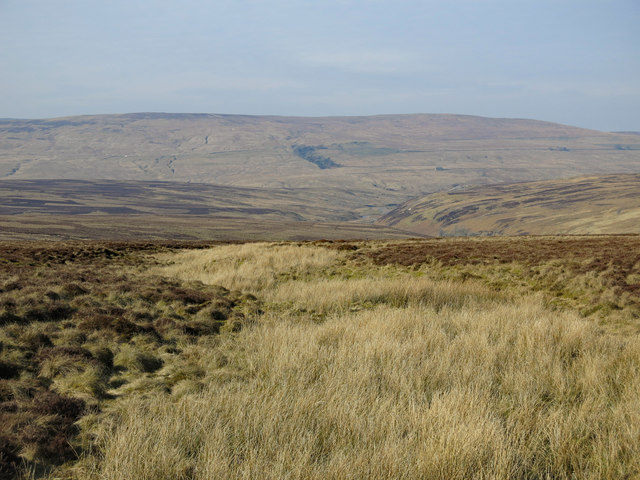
(575, 62)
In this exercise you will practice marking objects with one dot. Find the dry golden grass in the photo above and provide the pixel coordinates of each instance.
(438, 359)
(343, 294)
(312, 278)
(500, 392)
(424, 379)
(251, 267)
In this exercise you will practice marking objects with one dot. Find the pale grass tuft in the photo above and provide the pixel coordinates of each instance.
(134, 359)
(250, 267)
(499, 391)
(339, 294)
(89, 384)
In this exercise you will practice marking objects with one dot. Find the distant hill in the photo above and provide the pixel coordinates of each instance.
(383, 159)
(206, 176)
(83, 197)
(110, 209)
(585, 205)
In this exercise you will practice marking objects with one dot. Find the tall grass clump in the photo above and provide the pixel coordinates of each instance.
(325, 295)
(381, 360)
(249, 267)
(498, 391)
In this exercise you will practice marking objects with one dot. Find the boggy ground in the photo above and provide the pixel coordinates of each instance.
(453, 358)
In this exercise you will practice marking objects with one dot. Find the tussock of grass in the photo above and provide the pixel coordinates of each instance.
(340, 294)
(504, 392)
(432, 360)
(132, 359)
(77, 323)
(250, 267)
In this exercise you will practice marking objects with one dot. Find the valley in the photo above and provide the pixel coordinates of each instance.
(239, 171)
(214, 296)
(583, 205)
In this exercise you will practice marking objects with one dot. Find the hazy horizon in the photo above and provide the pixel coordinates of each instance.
(298, 116)
(564, 61)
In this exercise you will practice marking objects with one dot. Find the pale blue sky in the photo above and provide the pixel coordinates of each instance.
(569, 61)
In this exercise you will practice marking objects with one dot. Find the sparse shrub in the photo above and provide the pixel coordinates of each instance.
(8, 304)
(125, 327)
(212, 312)
(6, 392)
(7, 406)
(140, 316)
(174, 293)
(71, 290)
(105, 356)
(49, 441)
(44, 426)
(135, 360)
(64, 350)
(35, 340)
(24, 390)
(96, 321)
(8, 316)
(165, 324)
(184, 295)
(8, 370)
(234, 325)
(11, 285)
(51, 403)
(203, 327)
(51, 295)
(9, 459)
(51, 312)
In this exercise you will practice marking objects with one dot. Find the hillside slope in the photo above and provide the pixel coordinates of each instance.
(387, 159)
(585, 205)
(108, 209)
(80, 197)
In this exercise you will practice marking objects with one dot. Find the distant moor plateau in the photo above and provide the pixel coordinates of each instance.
(195, 176)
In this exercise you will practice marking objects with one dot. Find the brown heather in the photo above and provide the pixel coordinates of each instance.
(78, 332)
(329, 360)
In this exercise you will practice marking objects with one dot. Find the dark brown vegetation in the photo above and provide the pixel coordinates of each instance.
(69, 314)
(594, 273)
(86, 326)
(173, 211)
(603, 204)
(620, 252)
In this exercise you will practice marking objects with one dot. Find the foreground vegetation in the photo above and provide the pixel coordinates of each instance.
(465, 358)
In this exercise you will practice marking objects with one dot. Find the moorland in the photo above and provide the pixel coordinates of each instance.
(134, 210)
(436, 358)
(179, 298)
(582, 205)
(237, 174)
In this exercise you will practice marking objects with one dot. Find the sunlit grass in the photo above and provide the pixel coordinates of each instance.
(500, 392)
(323, 361)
